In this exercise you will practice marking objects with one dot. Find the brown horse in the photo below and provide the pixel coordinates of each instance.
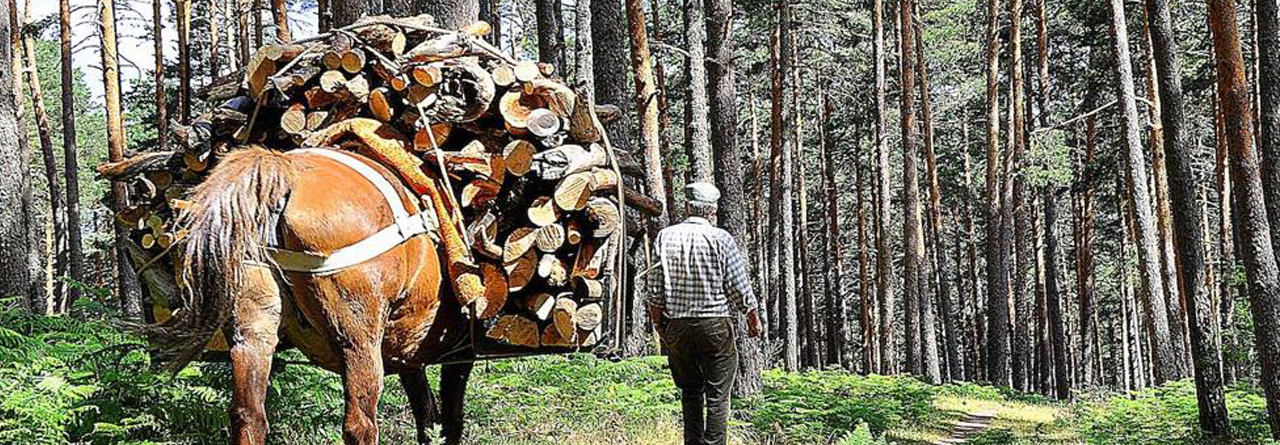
(386, 315)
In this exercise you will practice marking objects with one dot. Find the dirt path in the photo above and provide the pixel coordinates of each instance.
(972, 424)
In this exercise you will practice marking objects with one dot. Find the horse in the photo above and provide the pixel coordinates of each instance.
(391, 314)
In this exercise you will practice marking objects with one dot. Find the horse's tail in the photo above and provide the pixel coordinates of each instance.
(233, 213)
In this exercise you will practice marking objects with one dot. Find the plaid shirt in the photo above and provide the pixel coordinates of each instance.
(700, 272)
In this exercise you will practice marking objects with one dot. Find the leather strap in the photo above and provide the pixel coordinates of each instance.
(404, 228)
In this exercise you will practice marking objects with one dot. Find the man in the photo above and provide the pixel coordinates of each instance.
(698, 285)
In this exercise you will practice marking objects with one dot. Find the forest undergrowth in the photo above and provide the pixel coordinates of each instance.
(67, 381)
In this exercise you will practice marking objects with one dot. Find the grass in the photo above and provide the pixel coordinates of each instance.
(71, 381)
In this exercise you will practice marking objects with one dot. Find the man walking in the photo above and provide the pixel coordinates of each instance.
(698, 285)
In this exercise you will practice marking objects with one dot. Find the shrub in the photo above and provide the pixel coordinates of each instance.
(860, 436)
(1167, 415)
(814, 406)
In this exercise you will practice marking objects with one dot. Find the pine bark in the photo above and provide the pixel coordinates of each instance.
(215, 35)
(70, 168)
(810, 349)
(1166, 358)
(550, 33)
(614, 84)
(884, 273)
(998, 352)
(1019, 257)
(1164, 219)
(128, 293)
(1057, 333)
(1084, 253)
(782, 192)
(833, 300)
(584, 74)
(942, 273)
(868, 330)
(280, 13)
(15, 220)
(646, 108)
(162, 100)
(449, 14)
(1188, 232)
(1259, 257)
(913, 240)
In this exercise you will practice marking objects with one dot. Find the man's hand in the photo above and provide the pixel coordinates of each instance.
(655, 317)
(753, 323)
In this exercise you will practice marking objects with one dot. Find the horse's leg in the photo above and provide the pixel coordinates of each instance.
(254, 325)
(421, 402)
(453, 389)
(362, 383)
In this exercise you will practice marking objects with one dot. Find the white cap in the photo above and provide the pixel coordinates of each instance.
(702, 192)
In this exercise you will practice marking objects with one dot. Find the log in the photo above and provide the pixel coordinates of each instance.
(564, 316)
(587, 289)
(542, 212)
(383, 38)
(495, 290)
(358, 86)
(136, 165)
(479, 192)
(635, 200)
(353, 60)
(550, 237)
(521, 271)
(294, 120)
(553, 271)
(380, 106)
(539, 304)
(484, 235)
(503, 75)
(516, 330)
(573, 232)
(527, 71)
(543, 123)
(556, 163)
(604, 213)
(572, 192)
(551, 95)
(588, 316)
(518, 242)
(332, 81)
(518, 156)
(585, 263)
(582, 122)
(515, 112)
(551, 337)
(427, 75)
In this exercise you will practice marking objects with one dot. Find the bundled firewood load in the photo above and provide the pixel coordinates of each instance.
(533, 185)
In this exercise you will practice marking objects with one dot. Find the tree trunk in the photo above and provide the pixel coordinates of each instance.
(997, 335)
(913, 241)
(550, 34)
(1187, 230)
(782, 198)
(70, 168)
(162, 101)
(664, 123)
(613, 85)
(647, 109)
(215, 36)
(1017, 227)
(56, 268)
(280, 12)
(1164, 224)
(868, 331)
(1084, 251)
(243, 9)
(833, 301)
(974, 349)
(809, 334)
(15, 220)
(129, 296)
(729, 177)
(884, 274)
(1144, 217)
(1259, 257)
(1058, 335)
(449, 14)
(256, 11)
(584, 77)
(937, 252)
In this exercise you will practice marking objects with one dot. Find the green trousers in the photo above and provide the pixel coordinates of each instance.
(704, 360)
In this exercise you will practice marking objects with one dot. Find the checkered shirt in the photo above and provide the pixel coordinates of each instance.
(700, 272)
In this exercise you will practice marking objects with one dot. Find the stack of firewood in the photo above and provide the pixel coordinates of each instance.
(533, 185)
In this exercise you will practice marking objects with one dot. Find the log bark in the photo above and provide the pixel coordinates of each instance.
(1260, 264)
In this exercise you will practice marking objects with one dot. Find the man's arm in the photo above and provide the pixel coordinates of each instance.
(656, 300)
(738, 285)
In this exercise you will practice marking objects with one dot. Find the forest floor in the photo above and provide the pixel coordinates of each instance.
(64, 380)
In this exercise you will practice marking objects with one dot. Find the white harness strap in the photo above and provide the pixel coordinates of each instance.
(404, 227)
